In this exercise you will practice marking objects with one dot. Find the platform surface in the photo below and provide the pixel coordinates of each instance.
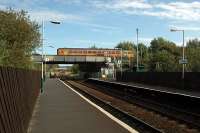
(60, 110)
(186, 92)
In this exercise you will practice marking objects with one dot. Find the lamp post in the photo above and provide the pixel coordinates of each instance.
(42, 78)
(121, 67)
(183, 50)
(121, 61)
(45, 64)
(137, 30)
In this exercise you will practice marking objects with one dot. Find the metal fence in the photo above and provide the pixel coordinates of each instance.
(168, 79)
(18, 92)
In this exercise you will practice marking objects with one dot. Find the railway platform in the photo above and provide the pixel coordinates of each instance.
(166, 89)
(60, 109)
(185, 92)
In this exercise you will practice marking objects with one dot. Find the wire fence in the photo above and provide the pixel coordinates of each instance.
(18, 93)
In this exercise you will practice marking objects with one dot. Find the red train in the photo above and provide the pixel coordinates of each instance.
(115, 53)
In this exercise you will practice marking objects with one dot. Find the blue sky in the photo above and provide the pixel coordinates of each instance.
(107, 22)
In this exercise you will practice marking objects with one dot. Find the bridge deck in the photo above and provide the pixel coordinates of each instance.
(61, 110)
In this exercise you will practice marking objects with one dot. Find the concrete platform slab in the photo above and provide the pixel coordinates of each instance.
(60, 110)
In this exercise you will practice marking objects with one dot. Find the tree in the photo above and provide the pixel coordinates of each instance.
(193, 55)
(51, 67)
(142, 53)
(19, 36)
(75, 69)
(94, 47)
(126, 45)
(195, 43)
(164, 56)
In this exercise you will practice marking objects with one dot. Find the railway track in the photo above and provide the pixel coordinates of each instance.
(191, 118)
(132, 121)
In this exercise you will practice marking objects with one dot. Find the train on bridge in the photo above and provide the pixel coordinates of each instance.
(113, 53)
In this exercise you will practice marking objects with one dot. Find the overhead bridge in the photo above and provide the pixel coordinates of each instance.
(56, 59)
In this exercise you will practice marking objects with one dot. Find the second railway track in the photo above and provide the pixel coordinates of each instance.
(132, 121)
(183, 111)
(126, 107)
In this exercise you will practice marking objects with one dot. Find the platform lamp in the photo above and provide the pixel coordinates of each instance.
(137, 30)
(42, 78)
(45, 60)
(121, 60)
(183, 49)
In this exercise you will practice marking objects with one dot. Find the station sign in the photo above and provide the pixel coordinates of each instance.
(183, 61)
(119, 62)
(47, 59)
(108, 59)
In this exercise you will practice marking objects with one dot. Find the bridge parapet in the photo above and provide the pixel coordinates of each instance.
(56, 59)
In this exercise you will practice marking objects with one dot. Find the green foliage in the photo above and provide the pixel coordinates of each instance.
(164, 56)
(75, 69)
(94, 47)
(126, 45)
(193, 55)
(142, 53)
(51, 67)
(195, 43)
(19, 36)
(163, 61)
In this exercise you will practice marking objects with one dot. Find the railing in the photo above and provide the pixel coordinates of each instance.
(18, 92)
(168, 79)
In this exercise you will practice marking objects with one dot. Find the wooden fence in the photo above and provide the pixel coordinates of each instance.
(18, 92)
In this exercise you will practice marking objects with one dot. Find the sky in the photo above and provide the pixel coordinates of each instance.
(105, 23)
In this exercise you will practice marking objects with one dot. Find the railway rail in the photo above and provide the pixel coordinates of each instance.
(134, 122)
(183, 108)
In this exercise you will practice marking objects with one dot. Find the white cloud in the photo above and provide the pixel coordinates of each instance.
(52, 15)
(97, 27)
(181, 10)
(2, 7)
(68, 1)
(40, 15)
(122, 5)
(186, 28)
(129, 4)
(89, 43)
(187, 11)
